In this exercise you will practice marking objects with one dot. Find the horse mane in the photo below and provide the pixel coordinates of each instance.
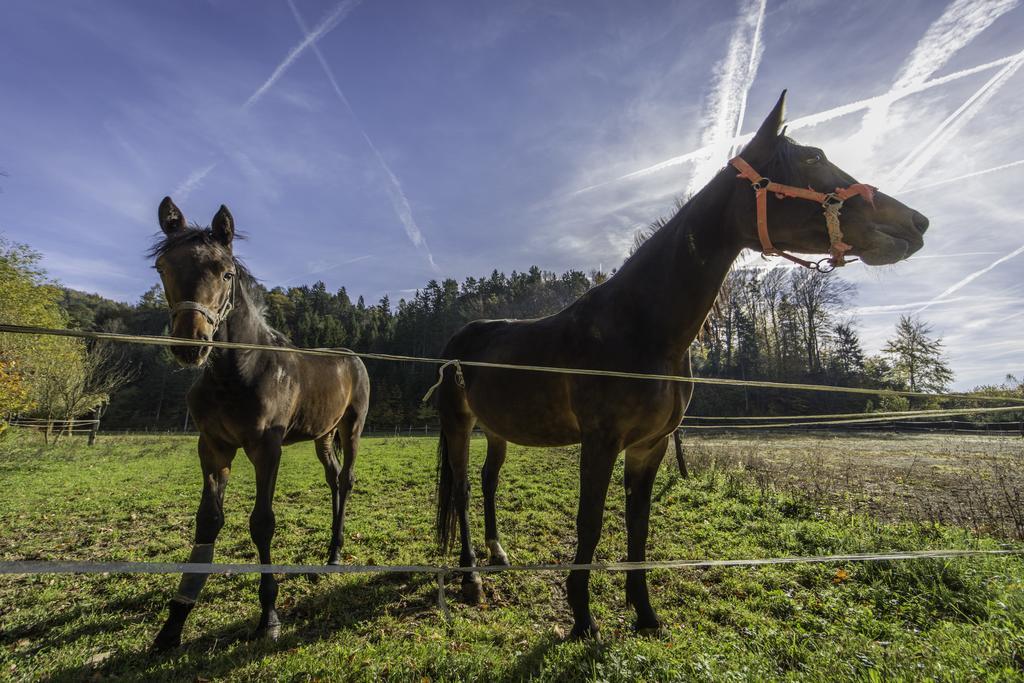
(664, 222)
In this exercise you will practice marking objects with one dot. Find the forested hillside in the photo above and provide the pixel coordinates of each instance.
(783, 325)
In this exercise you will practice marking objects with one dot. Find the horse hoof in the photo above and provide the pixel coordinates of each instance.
(165, 641)
(584, 632)
(270, 633)
(649, 631)
(271, 630)
(473, 591)
(497, 554)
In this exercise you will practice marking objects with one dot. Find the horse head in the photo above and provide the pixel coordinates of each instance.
(198, 271)
(873, 226)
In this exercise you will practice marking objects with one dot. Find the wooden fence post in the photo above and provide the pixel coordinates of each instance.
(680, 458)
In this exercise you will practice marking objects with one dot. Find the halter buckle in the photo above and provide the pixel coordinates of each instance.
(829, 266)
(760, 184)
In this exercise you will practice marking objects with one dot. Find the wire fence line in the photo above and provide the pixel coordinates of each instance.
(866, 418)
(55, 421)
(25, 567)
(37, 567)
(160, 340)
(57, 567)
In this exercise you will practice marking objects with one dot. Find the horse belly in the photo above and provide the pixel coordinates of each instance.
(316, 415)
(532, 413)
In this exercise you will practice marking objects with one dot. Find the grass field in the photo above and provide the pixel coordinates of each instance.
(133, 498)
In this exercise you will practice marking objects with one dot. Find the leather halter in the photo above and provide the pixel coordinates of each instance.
(215, 319)
(831, 204)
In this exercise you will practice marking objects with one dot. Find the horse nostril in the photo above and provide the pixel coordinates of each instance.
(920, 222)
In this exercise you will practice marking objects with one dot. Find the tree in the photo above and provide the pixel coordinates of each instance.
(815, 296)
(847, 356)
(77, 380)
(917, 358)
(26, 298)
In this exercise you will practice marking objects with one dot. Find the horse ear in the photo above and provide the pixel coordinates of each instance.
(223, 226)
(772, 128)
(170, 217)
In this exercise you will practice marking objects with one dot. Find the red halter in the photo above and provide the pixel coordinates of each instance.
(831, 203)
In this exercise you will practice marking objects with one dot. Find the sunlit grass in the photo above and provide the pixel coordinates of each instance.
(133, 498)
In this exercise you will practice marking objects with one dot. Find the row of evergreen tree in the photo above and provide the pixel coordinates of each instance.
(786, 325)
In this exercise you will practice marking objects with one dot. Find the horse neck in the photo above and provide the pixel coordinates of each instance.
(244, 325)
(679, 271)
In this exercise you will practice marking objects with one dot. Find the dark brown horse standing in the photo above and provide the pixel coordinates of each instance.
(249, 399)
(641, 320)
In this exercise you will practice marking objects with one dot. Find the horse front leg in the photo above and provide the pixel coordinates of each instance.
(642, 464)
(215, 461)
(597, 458)
(266, 458)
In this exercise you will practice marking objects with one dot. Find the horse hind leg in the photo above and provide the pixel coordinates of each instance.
(347, 438)
(325, 452)
(496, 449)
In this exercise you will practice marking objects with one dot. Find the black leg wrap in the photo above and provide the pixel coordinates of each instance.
(169, 636)
(192, 584)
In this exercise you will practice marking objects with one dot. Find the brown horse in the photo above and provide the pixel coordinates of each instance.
(254, 400)
(641, 320)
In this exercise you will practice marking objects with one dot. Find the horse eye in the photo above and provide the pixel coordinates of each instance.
(228, 275)
(813, 160)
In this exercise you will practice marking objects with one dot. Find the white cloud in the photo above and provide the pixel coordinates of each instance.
(960, 23)
(813, 119)
(939, 138)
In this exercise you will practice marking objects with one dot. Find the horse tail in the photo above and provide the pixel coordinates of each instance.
(445, 496)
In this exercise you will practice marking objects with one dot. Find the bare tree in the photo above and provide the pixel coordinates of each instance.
(815, 296)
(80, 381)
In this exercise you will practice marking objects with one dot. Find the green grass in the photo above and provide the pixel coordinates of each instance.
(133, 498)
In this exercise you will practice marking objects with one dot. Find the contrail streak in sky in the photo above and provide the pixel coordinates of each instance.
(755, 60)
(185, 188)
(727, 100)
(815, 119)
(945, 131)
(972, 277)
(960, 23)
(399, 201)
(322, 29)
(965, 176)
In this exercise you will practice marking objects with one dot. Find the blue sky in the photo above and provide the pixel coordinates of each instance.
(377, 144)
